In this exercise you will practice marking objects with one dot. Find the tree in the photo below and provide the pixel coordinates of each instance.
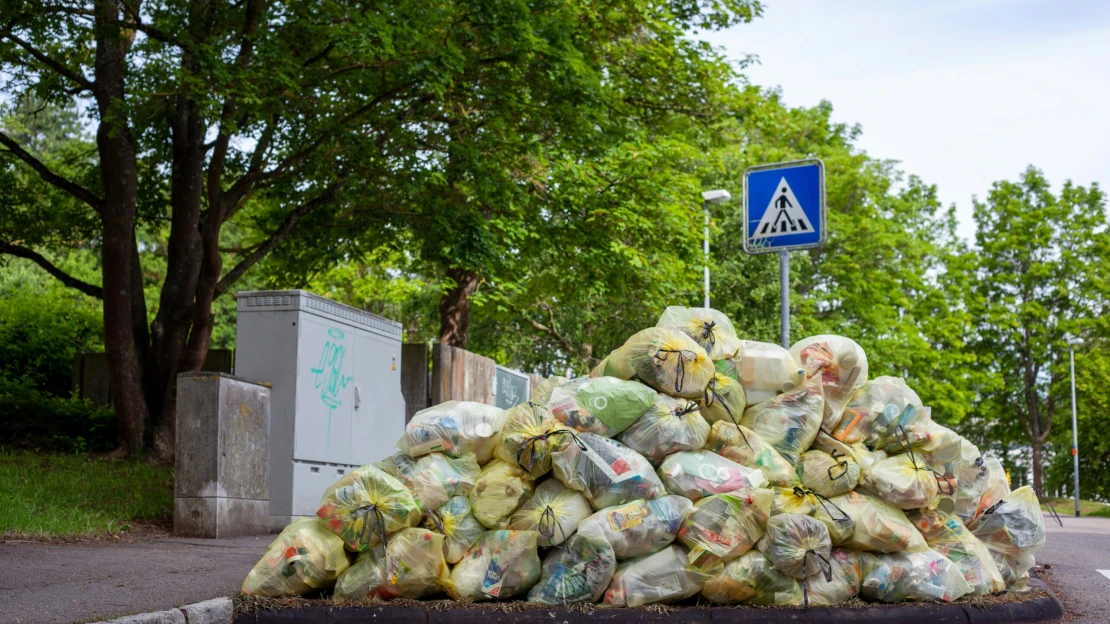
(1042, 273)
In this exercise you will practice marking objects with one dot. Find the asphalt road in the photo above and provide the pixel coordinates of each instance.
(61, 583)
(1074, 554)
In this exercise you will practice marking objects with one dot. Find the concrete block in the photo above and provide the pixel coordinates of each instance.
(215, 611)
(221, 483)
(173, 616)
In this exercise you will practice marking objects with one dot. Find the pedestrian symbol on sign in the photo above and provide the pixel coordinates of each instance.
(784, 215)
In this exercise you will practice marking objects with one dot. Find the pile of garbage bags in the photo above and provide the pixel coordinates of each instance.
(690, 462)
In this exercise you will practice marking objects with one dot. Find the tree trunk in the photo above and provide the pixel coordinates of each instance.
(454, 308)
(119, 174)
(1038, 469)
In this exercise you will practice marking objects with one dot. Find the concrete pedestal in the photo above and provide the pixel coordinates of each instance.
(222, 456)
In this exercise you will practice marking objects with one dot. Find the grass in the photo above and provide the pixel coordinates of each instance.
(67, 495)
(1066, 507)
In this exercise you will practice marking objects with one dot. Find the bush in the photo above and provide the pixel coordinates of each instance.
(34, 420)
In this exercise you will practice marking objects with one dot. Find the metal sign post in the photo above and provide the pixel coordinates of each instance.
(784, 210)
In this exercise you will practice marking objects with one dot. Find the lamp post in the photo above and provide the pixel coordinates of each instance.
(718, 196)
(1072, 344)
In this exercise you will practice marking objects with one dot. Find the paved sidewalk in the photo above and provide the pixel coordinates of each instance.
(61, 583)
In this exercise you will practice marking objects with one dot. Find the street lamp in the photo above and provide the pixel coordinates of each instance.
(718, 196)
(1072, 344)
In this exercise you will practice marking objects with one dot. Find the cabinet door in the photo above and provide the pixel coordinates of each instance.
(325, 391)
(379, 419)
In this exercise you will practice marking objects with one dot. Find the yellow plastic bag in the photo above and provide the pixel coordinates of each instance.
(697, 474)
(554, 511)
(995, 488)
(454, 428)
(744, 447)
(947, 535)
(502, 564)
(366, 505)
(879, 526)
(841, 366)
(459, 527)
(857, 451)
(528, 437)
(798, 545)
(658, 578)
(605, 406)
(410, 566)
(828, 475)
(541, 394)
(789, 422)
(925, 575)
(501, 489)
(1013, 530)
(724, 526)
(669, 361)
(605, 471)
(433, 478)
(723, 400)
(902, 482)
(763, 369)
(873, 414)
(670, 425)
(579, 571)
(712, 330)
(640, 527)
(845, 575)
(306, 556)
(752, 580)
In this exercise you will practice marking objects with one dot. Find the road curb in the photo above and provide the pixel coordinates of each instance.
(1043, 609)
(215, 611)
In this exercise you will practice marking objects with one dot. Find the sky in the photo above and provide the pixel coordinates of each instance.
(963, 93)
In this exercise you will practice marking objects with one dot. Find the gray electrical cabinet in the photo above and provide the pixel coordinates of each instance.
(336, 401)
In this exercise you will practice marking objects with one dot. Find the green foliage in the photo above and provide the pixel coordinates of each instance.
(74, 494)
(1092, 378)
(35, 420)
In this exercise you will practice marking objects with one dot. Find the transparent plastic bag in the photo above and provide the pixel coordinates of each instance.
(435, 477)
(605, 471)
(528, 437)
(712, 330)
(554, 511)
(605, 406)
(501, 489)
(697, 474)
(763, 369)
(541, 394)
(745, 447)
(845, 575)
(578, 571)
(657, 578)
(901, 481)
(669, 361)
(804, 501)
(670, 425)
(925, 575)
(459, 527)
(1013, 530)
(828, 475)
(640, 527)
(454, 428)
(306, 556)
(947, 535)
(842, 368)
(410, 566)
(996, 487)
(723, 400)
(724, 526)
(788, 422)
(366, 505)
(971, 480)
(502, 564)
(876, 410)
(753, 580)
(933, 445)
(798, 545)
(879, 526)
(864, 457)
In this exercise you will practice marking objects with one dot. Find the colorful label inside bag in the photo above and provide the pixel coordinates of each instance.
(495, 576)
(627, 517)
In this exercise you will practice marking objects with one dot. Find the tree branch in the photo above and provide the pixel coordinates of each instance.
(19, 251)
(46, 174)
(84, 82)
(272, 242)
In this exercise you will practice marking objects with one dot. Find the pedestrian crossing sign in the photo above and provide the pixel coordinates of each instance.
(784, 206)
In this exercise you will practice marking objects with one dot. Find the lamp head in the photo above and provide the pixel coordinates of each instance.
(718, 196)
(1075, 342)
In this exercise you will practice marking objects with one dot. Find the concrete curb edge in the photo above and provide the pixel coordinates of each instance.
(214, 611)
